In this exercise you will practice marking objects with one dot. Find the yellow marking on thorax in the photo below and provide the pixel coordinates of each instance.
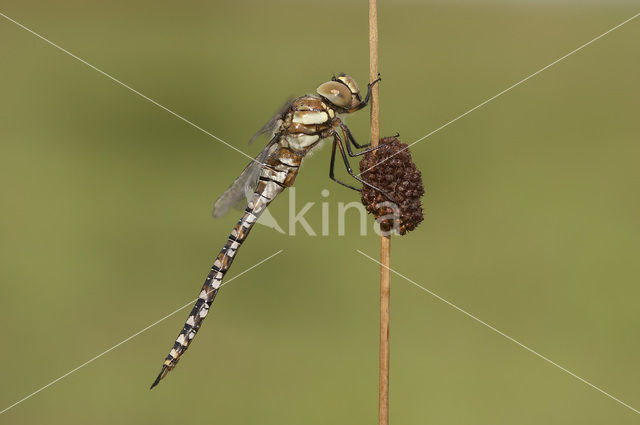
(310, 117)
(301, 141)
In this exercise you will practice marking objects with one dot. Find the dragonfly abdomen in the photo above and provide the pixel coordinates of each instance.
(271, 183)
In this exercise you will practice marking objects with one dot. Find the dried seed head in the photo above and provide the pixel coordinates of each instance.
(398, 178)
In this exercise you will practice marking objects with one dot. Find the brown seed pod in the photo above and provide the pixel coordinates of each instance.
(398, 178)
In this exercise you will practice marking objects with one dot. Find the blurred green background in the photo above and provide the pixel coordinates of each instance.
(532, 214)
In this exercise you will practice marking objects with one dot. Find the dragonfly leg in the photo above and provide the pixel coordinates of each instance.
(369, 87)
(332, 166)
(366, 98)
(349, 139)
(337, 141)
(347, 133)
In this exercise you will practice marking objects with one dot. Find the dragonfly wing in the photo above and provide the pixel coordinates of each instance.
(272, 125)
(243, 187)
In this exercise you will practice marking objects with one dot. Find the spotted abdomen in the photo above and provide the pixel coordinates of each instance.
(266, 191)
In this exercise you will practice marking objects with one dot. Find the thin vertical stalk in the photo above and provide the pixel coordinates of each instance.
(385, 241)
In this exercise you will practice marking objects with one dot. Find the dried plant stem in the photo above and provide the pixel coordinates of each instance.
(385, 241)
(385, 258)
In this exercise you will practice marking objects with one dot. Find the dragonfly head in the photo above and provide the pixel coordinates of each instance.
(341, 91)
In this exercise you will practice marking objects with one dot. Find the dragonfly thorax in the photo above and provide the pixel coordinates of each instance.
(308, 120)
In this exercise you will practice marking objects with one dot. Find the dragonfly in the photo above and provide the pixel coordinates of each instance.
(298, 127)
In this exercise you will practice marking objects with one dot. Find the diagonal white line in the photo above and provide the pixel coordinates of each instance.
(501, 333)
(132, 336)
(128, 87)
(506, 90)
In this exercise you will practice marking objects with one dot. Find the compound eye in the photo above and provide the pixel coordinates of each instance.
(336, 93)
(350, 82)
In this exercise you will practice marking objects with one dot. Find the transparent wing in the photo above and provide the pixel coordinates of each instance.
(271, 126)
(243, 187)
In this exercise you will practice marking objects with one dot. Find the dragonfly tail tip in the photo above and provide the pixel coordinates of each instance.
(161, 375)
